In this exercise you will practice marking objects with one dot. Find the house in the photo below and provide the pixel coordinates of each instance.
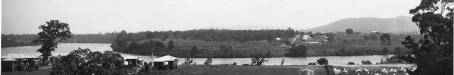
(165, 63)
(19, 62)
(9, 65)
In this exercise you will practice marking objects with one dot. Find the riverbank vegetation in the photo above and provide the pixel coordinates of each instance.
(14, 40)
(433, 53)
(245, 43)
(86, 62)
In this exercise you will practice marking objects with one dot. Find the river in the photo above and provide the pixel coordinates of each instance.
(65, 48)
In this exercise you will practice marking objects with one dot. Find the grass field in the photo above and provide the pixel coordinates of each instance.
(344, 45)
(38, 72)
(281, 70)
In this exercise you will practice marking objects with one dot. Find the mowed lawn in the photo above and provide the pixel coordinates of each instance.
(248, 70)
(38, 72)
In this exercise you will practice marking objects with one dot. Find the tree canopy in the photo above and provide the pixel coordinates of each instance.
(297, 51)
(349, 31)
(385, 39)
(86, 62)
(433, 53)
(52, 32)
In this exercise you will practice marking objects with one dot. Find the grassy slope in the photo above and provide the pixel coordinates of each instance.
(360, 47)
(235, 70)
(276, 70)
(246, 48)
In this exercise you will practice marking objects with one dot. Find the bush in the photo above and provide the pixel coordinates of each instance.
(85, 62)
(312, 63)
(297, 51)
(366, 62)
(322, 61)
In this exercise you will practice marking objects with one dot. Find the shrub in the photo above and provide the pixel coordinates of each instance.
(366, 62)
(297, 51)
(85, 62)
(322, 61)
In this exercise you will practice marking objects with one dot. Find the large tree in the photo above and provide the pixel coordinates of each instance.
(432, 53)
(385, 39)
(52, 32)
(349, 31)
(194, 52)
(86, 62)
(170, 45)
(297, 51)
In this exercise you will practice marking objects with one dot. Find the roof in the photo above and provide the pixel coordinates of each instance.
(164, 58)
(9, 59)
(130, 57)
(16, 55)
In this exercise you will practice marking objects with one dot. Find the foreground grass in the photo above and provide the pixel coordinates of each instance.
(281, 70)
(255, 70)
(236, 70)
(38, 72)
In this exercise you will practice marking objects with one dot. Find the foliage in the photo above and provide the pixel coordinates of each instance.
(366, 62)
(188, 61)
(433, 53)
(330, 38)
(297, 51)
(216, 35)
(52, 32)
(13, 40)
(322, 61)
(225, 50)
(208, 61)
(170, 45)
(86, 62)
(384, 50)
(17, 40)
(349, 31)
(385, 39)
(268, 54)
(194, 51)
(398, 51)
(258, 59)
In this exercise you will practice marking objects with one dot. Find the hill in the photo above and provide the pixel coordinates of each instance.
(401, 24)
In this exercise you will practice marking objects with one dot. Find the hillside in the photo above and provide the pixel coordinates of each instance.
(401, 24)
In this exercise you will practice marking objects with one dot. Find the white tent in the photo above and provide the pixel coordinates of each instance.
(16, 55)
(164, 58)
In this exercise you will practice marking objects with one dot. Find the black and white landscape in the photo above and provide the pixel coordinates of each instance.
(227, 37)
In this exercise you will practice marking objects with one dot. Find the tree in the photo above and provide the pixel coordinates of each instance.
(329, 38)
(86, 62)
(398, 51)
(170, 45)
(268, 54)
(384, 51)
(385, 39)
(52, 32)
(208, 61)
(120, 41)
(225, 49)
(258, 59)
(342, 51)
(297, 51)
(149, 34)
(322, 61)
(194, 51)
(432, 53)
(349, 31)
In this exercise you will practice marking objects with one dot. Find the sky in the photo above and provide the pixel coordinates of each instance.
(99, 16)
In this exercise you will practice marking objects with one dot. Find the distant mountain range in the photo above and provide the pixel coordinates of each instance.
(401, 24)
